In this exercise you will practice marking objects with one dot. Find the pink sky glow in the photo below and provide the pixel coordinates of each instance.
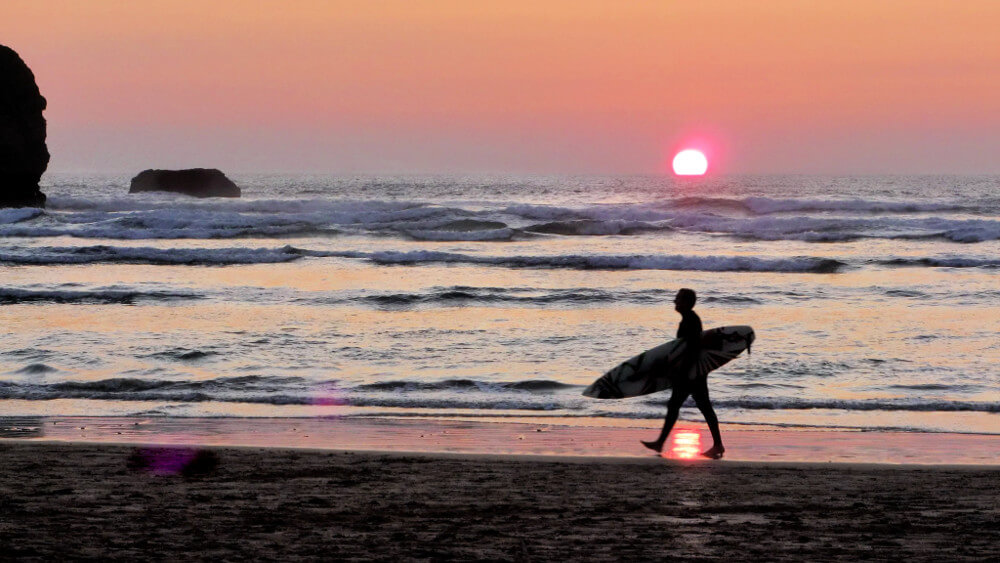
(516, 86)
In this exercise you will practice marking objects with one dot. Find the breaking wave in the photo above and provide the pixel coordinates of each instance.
(532, 385)
(943, 262)
(36, 369)
(841, 229)
(450, 235)
(97, 254)
(144, 255)
(767, 205)
(756, 218)
(917, 405)
(527, 395)
(520, 296)
(9, 296)
(229, 256)
(602, 262)
(18, 214)
(590, 227)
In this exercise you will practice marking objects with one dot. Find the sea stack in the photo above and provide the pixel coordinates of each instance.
(23, 154)
(197, 182)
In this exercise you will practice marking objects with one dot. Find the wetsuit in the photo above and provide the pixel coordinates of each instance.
(690, 330)
(683, 386)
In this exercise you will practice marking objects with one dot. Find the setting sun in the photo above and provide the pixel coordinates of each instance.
(690, 162)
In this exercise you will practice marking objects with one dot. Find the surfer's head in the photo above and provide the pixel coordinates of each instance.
(685, 299)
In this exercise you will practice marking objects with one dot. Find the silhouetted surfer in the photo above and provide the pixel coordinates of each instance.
(695, 385)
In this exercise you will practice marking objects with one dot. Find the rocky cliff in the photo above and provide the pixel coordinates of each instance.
(23, 154)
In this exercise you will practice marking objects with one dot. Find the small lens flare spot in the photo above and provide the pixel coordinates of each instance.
(329, 401)
(685, 445)
(173, 461)
(328, 395)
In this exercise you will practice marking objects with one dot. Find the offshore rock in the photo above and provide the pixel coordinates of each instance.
(198, 182)
(23, 154)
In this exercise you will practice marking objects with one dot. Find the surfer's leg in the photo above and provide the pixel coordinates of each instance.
(677, 397)
(700, 394)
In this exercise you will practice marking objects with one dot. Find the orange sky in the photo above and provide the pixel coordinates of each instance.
(538, 86)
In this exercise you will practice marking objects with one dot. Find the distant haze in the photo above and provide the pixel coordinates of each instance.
(547, 86)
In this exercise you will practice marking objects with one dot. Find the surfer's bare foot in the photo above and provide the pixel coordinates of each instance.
(714, 453)
(655, 445)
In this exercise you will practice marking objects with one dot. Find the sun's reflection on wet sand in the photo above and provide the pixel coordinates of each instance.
(684, 444)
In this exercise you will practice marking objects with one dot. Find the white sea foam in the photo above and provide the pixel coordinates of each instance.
(126, 218)
(824, 229)
(149, 202)
(446, 235)
(767, 205)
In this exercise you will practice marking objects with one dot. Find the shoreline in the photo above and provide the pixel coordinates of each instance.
(540, 440)
(517, 458)
(73, 500)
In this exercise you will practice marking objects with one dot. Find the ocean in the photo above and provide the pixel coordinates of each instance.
(875, 300)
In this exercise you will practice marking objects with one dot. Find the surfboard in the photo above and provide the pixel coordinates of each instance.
(656, 368)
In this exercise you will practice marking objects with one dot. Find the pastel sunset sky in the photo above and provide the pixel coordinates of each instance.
(542, 86)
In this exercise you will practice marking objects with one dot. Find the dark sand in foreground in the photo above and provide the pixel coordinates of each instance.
(62, 501)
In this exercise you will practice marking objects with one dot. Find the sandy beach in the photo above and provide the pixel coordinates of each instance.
(78, 500)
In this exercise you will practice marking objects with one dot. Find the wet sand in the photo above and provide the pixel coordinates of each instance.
(78, 500)
(538, 437)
